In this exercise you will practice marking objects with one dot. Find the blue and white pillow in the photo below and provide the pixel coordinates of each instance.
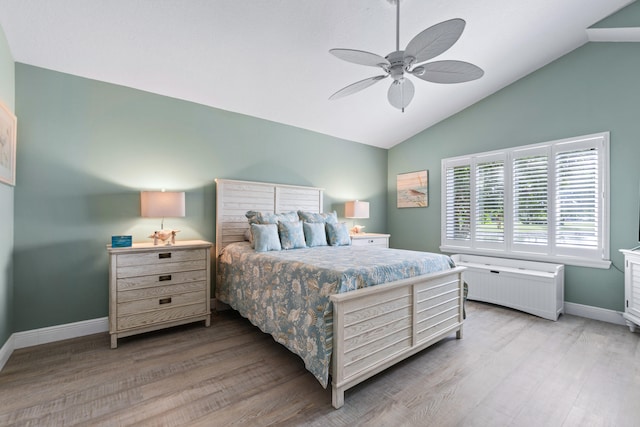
(265, 237)
(337, 234)
(330, 218)
(315, 234)
(291, 235)
(257, 217)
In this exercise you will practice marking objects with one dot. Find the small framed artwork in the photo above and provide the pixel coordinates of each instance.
(8, 126)
(413, 189)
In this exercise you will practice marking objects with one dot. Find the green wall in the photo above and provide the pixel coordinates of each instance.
(626, 17)
(86, 149)
(592, 89)
(7, 96)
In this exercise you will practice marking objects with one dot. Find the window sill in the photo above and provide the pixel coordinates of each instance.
(578, 262)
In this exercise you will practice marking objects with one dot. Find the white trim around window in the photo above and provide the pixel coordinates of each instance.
(542, 202)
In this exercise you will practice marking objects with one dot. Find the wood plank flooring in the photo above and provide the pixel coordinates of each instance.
(510, 369)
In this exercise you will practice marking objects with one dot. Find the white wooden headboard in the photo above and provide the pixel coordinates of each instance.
(235, 198)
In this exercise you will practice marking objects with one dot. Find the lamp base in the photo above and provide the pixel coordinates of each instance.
(168, 237)
(357, 229)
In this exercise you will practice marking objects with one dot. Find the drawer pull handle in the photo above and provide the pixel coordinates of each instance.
(164, 278)
(370, 241)
(165, 255)
(494, 271)
(165, 301)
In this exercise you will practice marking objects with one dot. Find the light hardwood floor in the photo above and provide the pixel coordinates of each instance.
(510, 369)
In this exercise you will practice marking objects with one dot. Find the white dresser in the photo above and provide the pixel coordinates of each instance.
(154, 287)
(370, 239)
(631, 288)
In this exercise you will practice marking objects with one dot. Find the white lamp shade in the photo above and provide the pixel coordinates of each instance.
(356, 209)
(160, 204)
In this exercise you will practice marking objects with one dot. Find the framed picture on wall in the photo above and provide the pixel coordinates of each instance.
(8, 128)
(413, 189)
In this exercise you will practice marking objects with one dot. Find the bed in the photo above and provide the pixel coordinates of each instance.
(349, 312)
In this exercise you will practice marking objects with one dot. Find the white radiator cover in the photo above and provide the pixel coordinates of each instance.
(533, 287)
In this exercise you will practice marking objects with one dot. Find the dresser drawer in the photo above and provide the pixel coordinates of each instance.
(163, 257)
(159, 316)
(371, 241)
(160, 291)
(160, 269)
(160, 302)
(171, 278)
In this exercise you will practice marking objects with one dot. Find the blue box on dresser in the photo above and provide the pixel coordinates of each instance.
(120, 241)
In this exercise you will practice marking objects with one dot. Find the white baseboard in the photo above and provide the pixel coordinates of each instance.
(5, 351)
(60, 332)
(595, 313)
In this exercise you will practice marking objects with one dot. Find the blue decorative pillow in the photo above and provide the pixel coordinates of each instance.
(329, 218)
(291, 235)
(269, 218)
(256, 217)
(252, 216)
(338, 235)
(314, 234)
(265, 237)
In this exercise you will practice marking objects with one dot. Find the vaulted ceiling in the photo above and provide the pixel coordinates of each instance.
(270, 59)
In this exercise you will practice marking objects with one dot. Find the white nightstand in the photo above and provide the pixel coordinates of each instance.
(153, 287)
(370, 239)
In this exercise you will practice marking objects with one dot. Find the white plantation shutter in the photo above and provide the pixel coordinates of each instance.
(531, 199)
(578, 227)
(489, 209)
(544, 202)
(458, 204)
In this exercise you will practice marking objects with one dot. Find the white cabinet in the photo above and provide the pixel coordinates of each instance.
(533, 287)
(370, 239)
(631, 288)
(153, 287)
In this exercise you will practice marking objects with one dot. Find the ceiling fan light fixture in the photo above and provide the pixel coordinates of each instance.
(401, 93)
(424, 46)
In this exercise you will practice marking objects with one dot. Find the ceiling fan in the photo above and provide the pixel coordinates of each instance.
(426, 45)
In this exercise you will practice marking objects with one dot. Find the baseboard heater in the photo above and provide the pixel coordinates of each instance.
(533, 287)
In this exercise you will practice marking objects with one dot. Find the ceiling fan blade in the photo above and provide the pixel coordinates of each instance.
(401, 93)
(356, 87)
(360, 57)
(450, 72)
(435, 40)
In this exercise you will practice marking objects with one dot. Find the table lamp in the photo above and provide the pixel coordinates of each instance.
(356, 209)
(161, 204)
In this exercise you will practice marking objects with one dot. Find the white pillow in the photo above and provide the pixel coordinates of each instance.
(265, 237)
(315, 234)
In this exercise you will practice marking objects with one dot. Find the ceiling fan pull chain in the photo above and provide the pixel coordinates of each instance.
(397, 25)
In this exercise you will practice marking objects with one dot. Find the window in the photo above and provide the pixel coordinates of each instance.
(547, 202)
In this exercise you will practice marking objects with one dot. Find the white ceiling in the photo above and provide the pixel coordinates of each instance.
(269, 58)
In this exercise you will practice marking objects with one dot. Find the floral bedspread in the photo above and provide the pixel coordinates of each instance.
(286, 293)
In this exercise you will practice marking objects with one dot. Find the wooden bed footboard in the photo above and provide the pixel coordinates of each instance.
(375, 328)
